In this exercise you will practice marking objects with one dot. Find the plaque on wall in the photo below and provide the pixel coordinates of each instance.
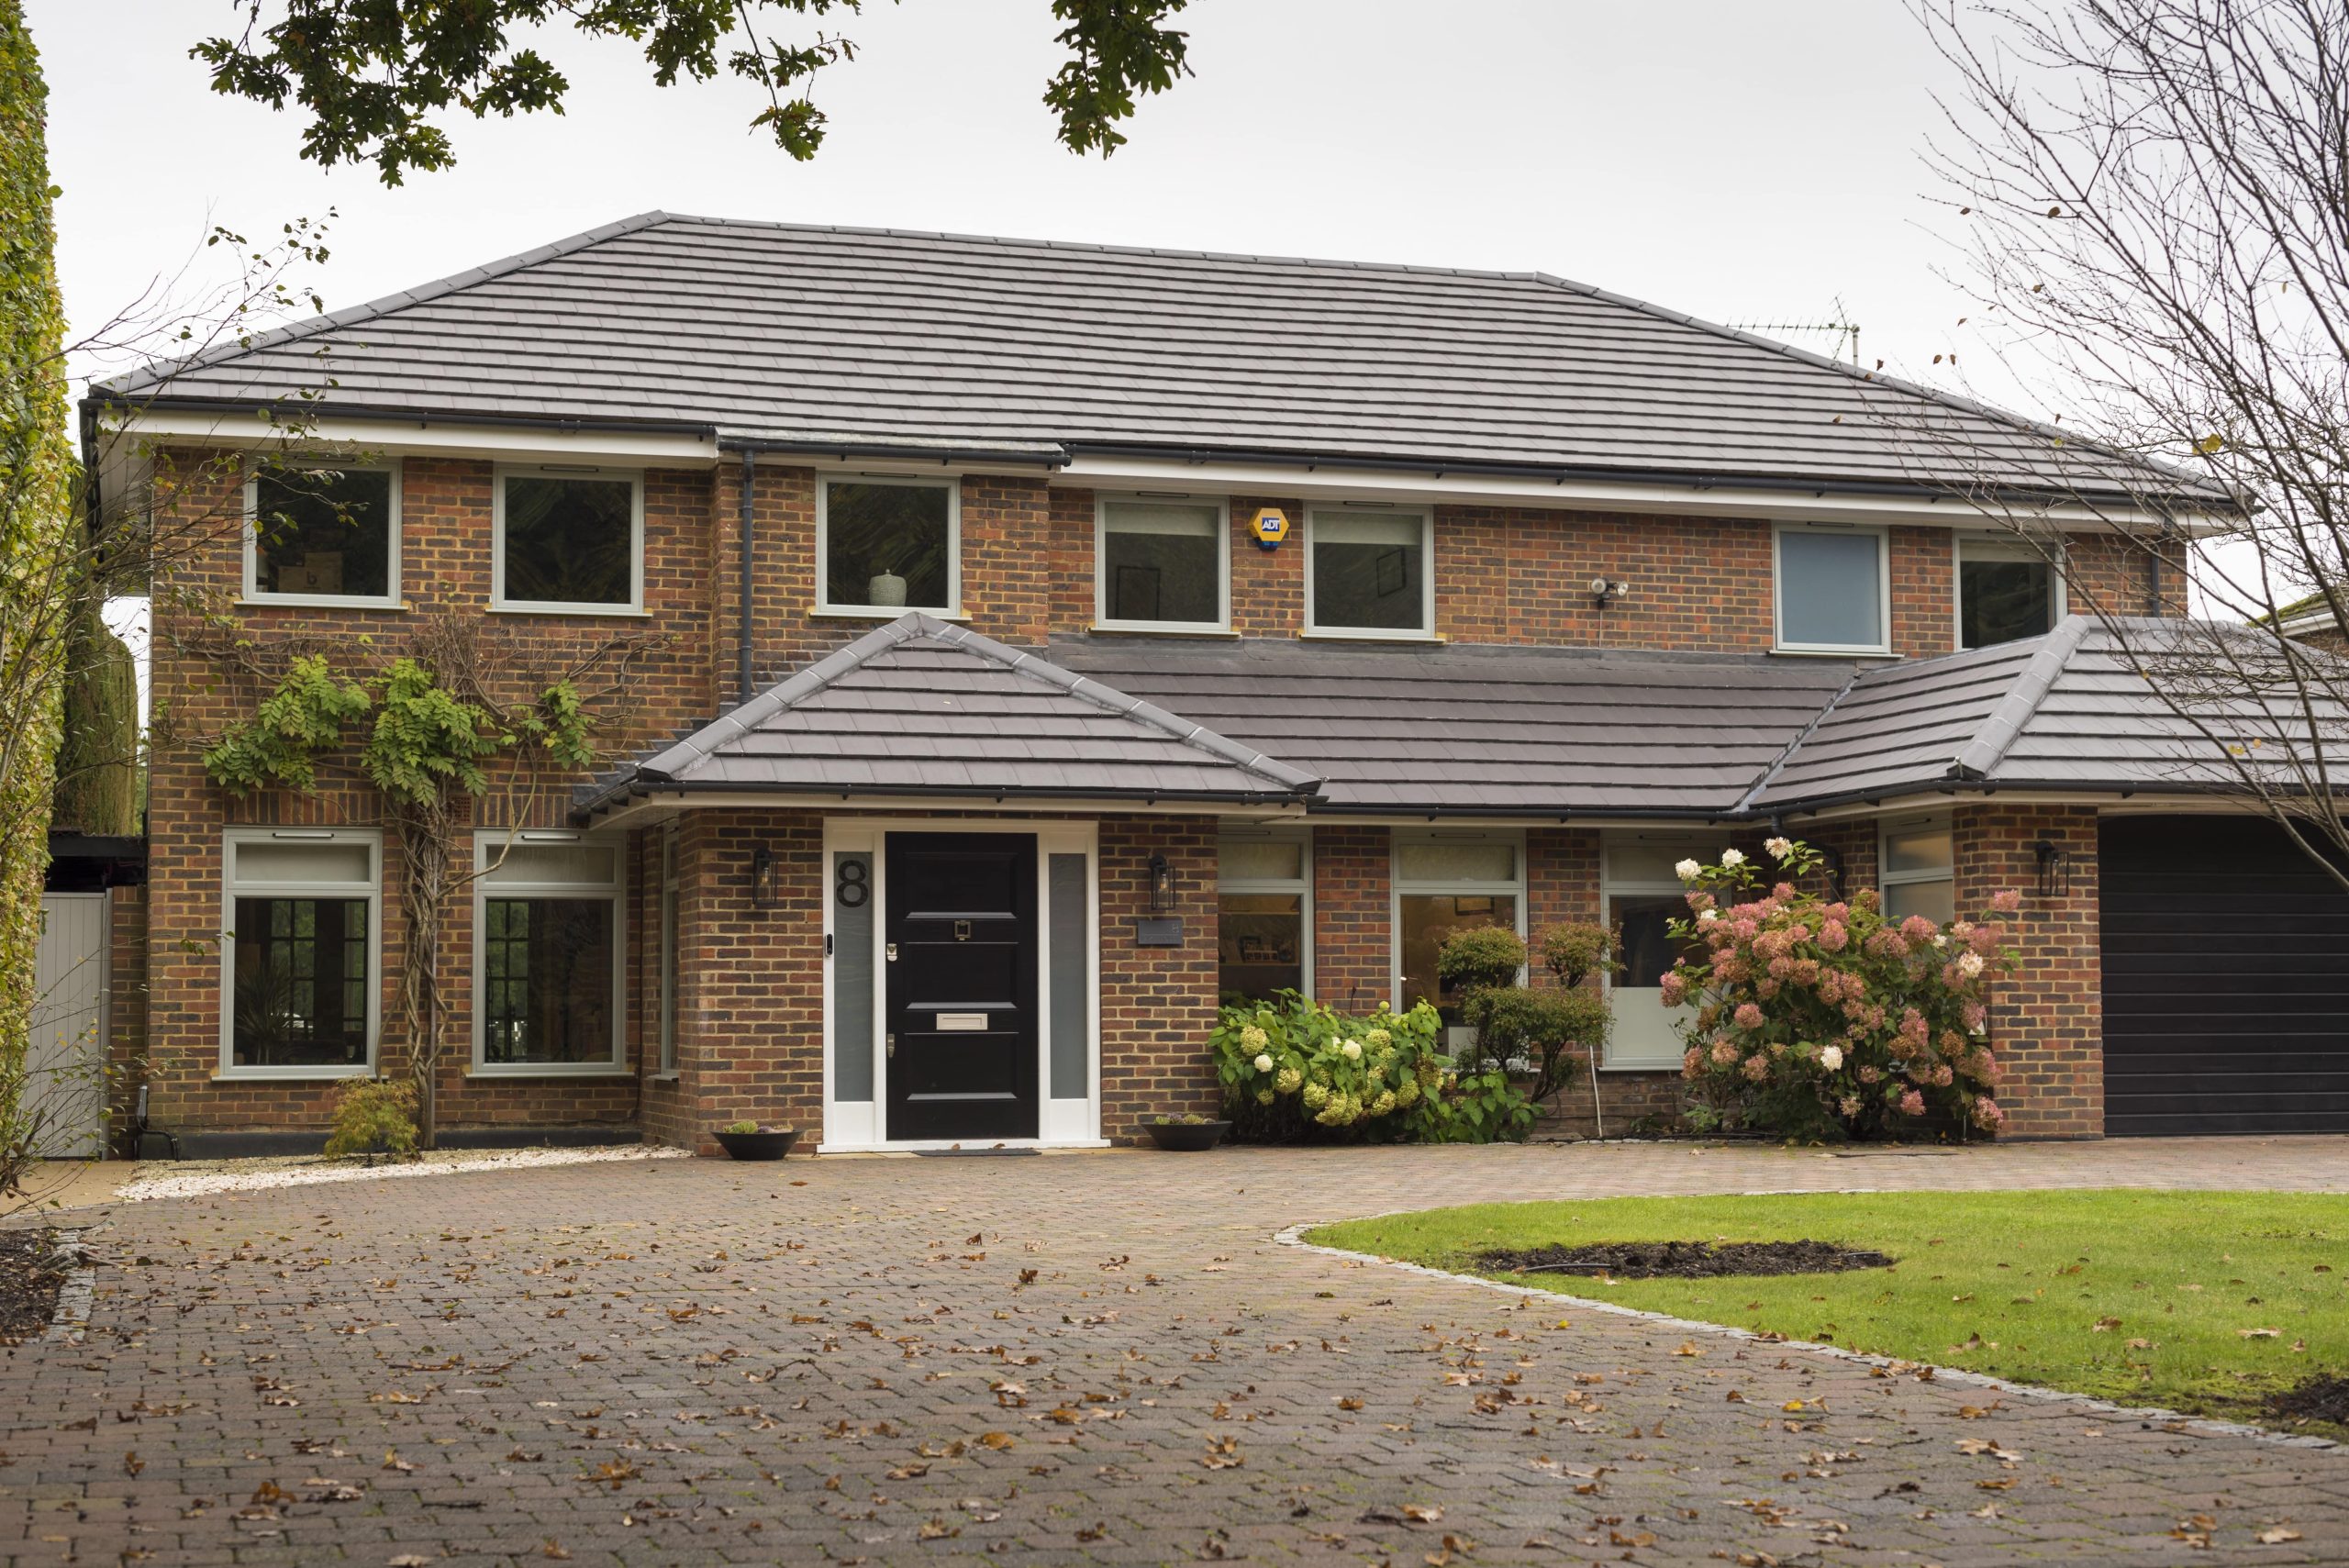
(1158, 931)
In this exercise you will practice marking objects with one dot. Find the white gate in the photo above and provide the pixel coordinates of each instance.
(65, 1069)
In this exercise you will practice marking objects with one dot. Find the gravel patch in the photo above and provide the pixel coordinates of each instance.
(198, 1178)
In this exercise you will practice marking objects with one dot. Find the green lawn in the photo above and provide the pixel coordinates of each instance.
(2138, 1296)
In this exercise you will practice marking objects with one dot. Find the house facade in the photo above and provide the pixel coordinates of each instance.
(997, 654)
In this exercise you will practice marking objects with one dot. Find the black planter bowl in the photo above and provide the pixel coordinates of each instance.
(1188, 1137)
(767, 1143)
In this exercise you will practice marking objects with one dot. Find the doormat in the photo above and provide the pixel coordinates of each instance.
(970, 1153)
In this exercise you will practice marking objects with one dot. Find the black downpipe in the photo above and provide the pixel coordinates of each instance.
(742, 643)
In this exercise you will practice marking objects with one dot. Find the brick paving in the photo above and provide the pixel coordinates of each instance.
(1084, 1358)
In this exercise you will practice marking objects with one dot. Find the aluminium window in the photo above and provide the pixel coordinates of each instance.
(2006, 589)
(301, 953)
(1642, 895)
(1369, 574)
(1264, 912)
(1445, 881)
(1832, 589)
(1161, 563)
(323, 536)
(567, 540)
(549, 937)
(1916, 869)
(886, 545)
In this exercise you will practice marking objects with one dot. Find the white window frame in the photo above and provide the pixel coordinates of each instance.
(231, 889)
(1101, 617)
(1426, 631)
(388, 600)
(1883, 537)
(1301, 885)
(1981, 547)
(953, 488)
(666, 911)
(1399, 887)
(1610, 885)
(1886, 877)
(500, 602)
(489, 847)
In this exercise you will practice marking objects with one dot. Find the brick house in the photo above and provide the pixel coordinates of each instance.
(1001, 650)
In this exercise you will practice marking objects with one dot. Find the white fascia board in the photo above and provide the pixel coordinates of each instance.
(1334, 482)
(250, 430)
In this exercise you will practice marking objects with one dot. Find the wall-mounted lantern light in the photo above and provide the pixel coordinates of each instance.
(1162, 885)
(2054, 869)
(763, 878)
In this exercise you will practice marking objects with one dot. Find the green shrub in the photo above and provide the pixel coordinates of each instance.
(745, 1125)
(372, 1117)
(1482, 956)
(1293, 1070)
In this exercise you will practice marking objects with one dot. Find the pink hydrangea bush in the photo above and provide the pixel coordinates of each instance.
(1818, 1019)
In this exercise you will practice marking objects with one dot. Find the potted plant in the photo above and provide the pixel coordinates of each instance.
(1188, 1133)
(748, 1139)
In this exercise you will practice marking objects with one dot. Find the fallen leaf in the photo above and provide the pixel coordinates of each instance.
(2276, 1535)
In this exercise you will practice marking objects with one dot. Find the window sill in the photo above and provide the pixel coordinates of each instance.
(1320, 634)
(1671, 1066)
(289, 1074)
(880, 612)
(551, 1070)
(1784, 652)
(1144, 629)
(603, 612)
(669, 1078)
(317, 602)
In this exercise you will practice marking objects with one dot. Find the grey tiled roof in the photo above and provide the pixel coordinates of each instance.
(922, 708)
(879, 339)
(1524, 731)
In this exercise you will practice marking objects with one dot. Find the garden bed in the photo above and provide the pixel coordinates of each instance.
(1684, 1260)
(31, 1273)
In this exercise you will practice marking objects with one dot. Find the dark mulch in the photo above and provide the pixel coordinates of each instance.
(1687, 1260)
(2323, 1398)
(30, 1274)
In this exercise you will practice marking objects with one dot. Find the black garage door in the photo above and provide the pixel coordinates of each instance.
(2226, 980)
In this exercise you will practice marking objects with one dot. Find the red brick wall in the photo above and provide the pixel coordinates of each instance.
(126, 1008)
(1157, 1003)
(1353, 961)
(2109, 575)
(2047, 1020)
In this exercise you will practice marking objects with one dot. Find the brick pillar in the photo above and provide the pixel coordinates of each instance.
(1157, 1003)
(2047, 1019)
(1353, 959)
(1268, 585)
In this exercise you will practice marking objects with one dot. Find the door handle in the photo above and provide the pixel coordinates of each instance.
(891, 1046)
(893, 953)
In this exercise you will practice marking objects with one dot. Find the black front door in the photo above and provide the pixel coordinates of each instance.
(961, 1026)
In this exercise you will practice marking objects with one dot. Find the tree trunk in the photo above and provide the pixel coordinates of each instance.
(424, 896)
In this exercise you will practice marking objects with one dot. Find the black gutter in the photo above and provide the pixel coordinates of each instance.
(850, 451)
(643, 789)
(422, 417)
(743, 672)
(1558, 474)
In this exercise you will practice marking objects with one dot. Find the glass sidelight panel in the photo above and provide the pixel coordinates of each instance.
(851, 975)
(1070, 961)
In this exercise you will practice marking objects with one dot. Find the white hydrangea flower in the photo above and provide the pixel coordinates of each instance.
(1732, 857)
(1779, 848)
(1832, 1057)
(1940, 941)
(1688, 871)
(1353, 1049)
(1264, 1061)
(1707, 917)
(1969, 964)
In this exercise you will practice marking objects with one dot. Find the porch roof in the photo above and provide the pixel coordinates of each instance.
(920, 707)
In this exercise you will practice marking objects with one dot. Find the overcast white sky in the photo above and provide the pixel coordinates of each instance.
(1746, 163)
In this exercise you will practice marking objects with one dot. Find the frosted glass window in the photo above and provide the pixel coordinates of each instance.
(1162, 563)
(304, 861)
(1830, 589)
(851, 975)
(1916, 850)
(1440, 862)
(1071, 977)
(1260, 859)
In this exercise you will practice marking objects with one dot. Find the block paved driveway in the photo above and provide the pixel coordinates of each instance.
(1080, 1358)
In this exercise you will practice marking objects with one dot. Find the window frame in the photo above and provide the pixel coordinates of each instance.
(952, 484)
(1883, 537)
(1103, 621)
(389, 600)
(1887, 878)
(1611, 885)
(500, 602)
(1426, 631)
(1398, 888)
(488, 848)
(1301, 886)
(1988, 546)
(666, 901)
(231, 889)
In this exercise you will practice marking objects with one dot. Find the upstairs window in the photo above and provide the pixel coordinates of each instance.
(568, 541)
(324, 536)
(1367, 574)
(1833, 590)
(2005, 590)
(884, 546)
(301, 953)
(1160, 564)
